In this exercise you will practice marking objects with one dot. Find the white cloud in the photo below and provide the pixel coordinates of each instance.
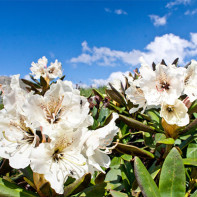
(85, 47)
(27, 77)
(52, 55)
(120, 11)
(116, 11)
(157, 20)
(107, 10)
(168, 47)
(191, 12)
(177, 2)
(113, 76)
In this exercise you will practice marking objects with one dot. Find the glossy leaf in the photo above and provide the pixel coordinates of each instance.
(166, 141)
(133, 150)
(192, 151)
(190, 161)
(78, 186)
(117, 194)
(172, 178)
(136, 124)
(144, 179)
(13, 190)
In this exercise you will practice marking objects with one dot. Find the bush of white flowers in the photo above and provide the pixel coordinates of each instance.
(56, 142)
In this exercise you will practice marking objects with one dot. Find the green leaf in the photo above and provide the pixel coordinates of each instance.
(113, 175)
(144, 179)
(13, 190)
(190, 161)
(117, 194)
(172, 179)
(155, 118)
(126, 157)
(192, 151)
(96, 92)
(78, 186)
(136, 124)
(194, 194)
(159, 137)
(166, 141)
(116, 95)
(103, 114)
(28, 173)
(133, 150)
(115, 162)
(148, 139)
(94, 191)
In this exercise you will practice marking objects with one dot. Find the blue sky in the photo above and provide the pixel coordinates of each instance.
(96, 40)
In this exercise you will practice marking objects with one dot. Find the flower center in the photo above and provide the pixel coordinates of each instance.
(170, 109)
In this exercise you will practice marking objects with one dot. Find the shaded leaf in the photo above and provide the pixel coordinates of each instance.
(133, 150)
(136, 124)
(13, 190)
(78, 186)
(144, 179)
(96, 92)
(172, 178)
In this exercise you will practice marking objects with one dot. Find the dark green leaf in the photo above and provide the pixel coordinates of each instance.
(144, 179)
(133, 150)
(172, 178)
(136, 124)
(96, 92)
(78, 186)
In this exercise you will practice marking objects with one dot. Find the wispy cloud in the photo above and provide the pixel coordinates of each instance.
(116, 11)
(168, 47)
(157, 20)
(191, 12)
(52, 55)
(119, 12)
(177, 2)
(107, 10)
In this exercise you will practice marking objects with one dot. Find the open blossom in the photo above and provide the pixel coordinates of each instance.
(61, 158)
(41, 69)
(165, 84)
(190, 81)
(61, 106)
(13, 95)
(135, 94)
(175, 114)
(96, 146)
(17, 139)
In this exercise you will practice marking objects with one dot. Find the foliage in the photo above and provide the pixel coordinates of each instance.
(149, 157)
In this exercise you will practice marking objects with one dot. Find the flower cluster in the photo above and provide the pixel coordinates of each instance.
(168, 87)
(162, 86)
(50, 132)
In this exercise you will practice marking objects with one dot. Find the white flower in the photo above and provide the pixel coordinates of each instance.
(14, 96)
(175, 114)
(61, 158)
(39, 69)
(61, 106)
(165, 84)
(135, 94)
(190, 81)
(54, 70)
(97, 142)
(18, 138)
(118, 84)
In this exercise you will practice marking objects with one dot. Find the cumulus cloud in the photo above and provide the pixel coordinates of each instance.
(177, 2)
(27, 77)
(115, 75)
(157, 20)
(191, 12)
(168, 47)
